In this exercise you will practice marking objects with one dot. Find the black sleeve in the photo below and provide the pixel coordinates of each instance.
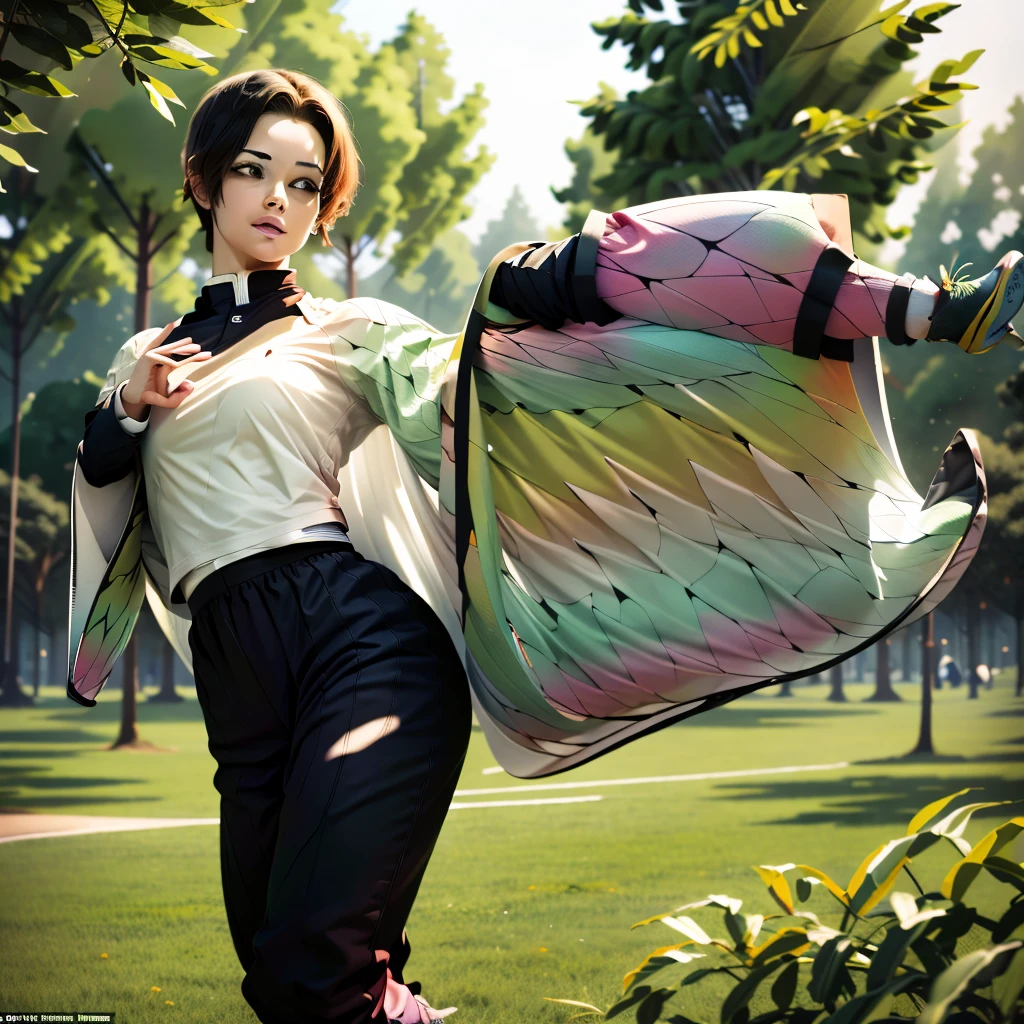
(554, 281)
(108, 450)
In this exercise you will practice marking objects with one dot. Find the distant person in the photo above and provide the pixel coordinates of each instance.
(979, 676)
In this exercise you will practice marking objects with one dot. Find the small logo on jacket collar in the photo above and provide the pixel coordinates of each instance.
(236, 319)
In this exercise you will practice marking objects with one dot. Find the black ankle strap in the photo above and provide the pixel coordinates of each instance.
(819, 298)
(896, 311)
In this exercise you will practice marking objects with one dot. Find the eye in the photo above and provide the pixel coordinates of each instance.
(242, 168)
(306, 185)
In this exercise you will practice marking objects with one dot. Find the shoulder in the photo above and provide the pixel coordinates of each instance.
(337, 316)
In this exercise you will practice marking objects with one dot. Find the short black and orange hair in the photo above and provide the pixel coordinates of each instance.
(222, 123)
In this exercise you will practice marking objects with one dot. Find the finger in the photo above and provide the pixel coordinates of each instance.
(160, 337)
(177, 343)
(198, 355)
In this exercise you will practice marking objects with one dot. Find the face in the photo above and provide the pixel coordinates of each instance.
(270, 196)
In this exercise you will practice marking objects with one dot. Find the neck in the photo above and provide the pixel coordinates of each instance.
(227, 260)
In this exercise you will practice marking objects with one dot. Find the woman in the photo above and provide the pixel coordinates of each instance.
(336, 705)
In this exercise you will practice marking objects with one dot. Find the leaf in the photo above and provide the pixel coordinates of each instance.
(904, 905)
(165, 90)
(963, 874)
(1005, 871)
(689, 928)
(43, 43)
(804, 888)
(32, 81)
(778, 886)
(1009, 922)
(62, 23)
(658, 960)
(860, 1007)
(832, 887)
(828, 967)
(793, 941)
(12, 156)
(19, 121)
(742, 993)
(574, 1002)
(157, 100)
(955, 978)
(785, 986)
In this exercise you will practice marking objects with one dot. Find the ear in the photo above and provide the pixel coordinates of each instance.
(199, 193)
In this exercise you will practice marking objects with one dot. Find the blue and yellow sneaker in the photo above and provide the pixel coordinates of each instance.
(976, 314)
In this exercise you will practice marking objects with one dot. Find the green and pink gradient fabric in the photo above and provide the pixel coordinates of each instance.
(641, 520)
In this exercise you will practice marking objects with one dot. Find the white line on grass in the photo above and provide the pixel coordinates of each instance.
(525, 803)
(696, 777)
(129, 825)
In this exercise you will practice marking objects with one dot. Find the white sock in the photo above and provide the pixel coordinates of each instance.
(920, 307)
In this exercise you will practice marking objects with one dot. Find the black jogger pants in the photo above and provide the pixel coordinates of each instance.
(325, 828)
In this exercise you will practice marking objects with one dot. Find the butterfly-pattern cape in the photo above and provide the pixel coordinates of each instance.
(621, 525)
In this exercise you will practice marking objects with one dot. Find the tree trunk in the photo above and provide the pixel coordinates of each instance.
(129, 733)
(350, 269)
(11, 694)
(883, 681)
(908, 652)
(836, 679)
(1019, 640)
(785, 690)
(924, 739)
(36, 679)
(858, 667)
(143, 284)
(167, 693)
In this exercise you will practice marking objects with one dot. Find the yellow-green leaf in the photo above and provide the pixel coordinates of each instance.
(733, 46)
(962, 874)
(720, 56)
(158, 101)
(759, 20)
(751, 39)
(832, 887)
(660, 958)
(12, 156)
(773, 15)
(777, 885)
(927, 815)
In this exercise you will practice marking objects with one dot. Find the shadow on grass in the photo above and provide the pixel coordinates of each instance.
(873, 799)
(750, 714)
(23, 787)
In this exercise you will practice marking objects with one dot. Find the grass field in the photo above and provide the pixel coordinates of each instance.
(518, 903)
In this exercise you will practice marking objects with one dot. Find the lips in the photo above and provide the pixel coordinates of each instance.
(269, 229)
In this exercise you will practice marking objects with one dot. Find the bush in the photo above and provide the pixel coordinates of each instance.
(893, 949)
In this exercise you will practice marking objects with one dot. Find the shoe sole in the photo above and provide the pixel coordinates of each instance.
(992, 321)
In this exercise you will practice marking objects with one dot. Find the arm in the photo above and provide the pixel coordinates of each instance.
(395, 363)
(111, 436)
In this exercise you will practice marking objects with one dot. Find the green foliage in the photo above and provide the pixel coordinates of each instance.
(39, 36)
(440, 289)
(772, 94)
(414, 172)
(894, 951)
(516, 223)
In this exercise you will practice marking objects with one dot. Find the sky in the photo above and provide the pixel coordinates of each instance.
(535, 56)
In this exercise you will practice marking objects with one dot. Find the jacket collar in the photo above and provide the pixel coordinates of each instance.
(222, 292)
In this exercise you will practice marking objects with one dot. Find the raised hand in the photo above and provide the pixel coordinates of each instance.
(148, 382)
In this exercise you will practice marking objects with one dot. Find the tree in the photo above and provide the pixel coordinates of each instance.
(414, 173)
(764, 94)
(42, 541)
(924, 736)
(939, 388)
(835, 678)
(591, 162)
(40, 35)
(440, 289)
(44, 268)
(515, 224)
(883, 681)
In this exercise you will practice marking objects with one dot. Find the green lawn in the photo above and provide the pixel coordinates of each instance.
(518, 902)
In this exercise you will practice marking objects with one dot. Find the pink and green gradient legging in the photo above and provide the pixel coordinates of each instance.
(733, 264)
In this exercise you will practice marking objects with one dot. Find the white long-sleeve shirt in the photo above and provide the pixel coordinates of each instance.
(331, 530)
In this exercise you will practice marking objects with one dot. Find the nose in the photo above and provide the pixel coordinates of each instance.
(277, 199)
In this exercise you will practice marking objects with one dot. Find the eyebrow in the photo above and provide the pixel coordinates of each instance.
(298, 163)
